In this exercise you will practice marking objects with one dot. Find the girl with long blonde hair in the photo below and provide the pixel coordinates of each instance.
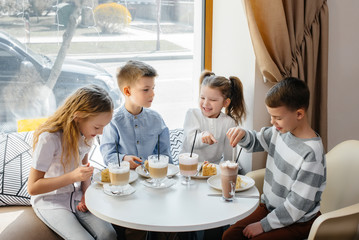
(60, 172)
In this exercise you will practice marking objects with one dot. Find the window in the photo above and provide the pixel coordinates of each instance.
(158, 32)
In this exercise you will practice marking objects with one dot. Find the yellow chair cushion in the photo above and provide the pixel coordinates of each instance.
(26, 125)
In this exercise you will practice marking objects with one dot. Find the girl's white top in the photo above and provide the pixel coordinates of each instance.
(217, 126)
(47, 158)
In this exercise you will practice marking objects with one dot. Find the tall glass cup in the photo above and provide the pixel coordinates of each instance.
(229, 172)
(158, 168)
(119, 176)
(188, 166)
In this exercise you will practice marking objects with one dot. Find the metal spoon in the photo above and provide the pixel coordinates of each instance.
(145, 170)
(200, 169)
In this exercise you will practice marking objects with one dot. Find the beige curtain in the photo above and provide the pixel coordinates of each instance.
(290, 38)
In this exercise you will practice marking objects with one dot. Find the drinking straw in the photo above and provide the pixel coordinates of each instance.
(234, 154)
(238, 155)
(118, 154)
(158, 147)
(194, 140)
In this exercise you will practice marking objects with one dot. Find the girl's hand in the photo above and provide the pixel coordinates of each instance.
(82, 173)
(253, 230)
(82, 205)
(208, 138)
(132, 160)
(235, 135)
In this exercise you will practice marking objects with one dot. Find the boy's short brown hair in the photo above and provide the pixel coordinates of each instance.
(132, 71)
(290, 92)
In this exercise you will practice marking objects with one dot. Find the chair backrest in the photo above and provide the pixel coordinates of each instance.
(342, 187)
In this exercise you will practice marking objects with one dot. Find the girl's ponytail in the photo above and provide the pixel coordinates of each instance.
(237, 107)
(231, 88)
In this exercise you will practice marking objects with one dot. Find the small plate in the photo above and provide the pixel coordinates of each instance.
(246, 182)
(200, 176)
(127, 191)
(166, 183)
(97, 177)
(171, 171)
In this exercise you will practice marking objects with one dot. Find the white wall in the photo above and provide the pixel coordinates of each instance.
(233, 54)
(343, 80)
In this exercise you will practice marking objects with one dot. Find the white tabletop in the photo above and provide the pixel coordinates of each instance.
(175, 209)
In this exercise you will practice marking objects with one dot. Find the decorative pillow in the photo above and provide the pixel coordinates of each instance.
(95, 156)
(176, 139)
(15, 163)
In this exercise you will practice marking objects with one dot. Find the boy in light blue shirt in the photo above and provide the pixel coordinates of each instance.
(134, 127)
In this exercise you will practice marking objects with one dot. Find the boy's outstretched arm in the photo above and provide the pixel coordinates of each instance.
(235, 135)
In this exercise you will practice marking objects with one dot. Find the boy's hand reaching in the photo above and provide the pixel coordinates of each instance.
(253, 230)
(235, 135)
(208, 138)
(133, 160)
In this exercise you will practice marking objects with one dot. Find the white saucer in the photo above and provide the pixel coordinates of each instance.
(128, 189)
(171, 171)
(166, 183)
(246, 183)
(97, 177)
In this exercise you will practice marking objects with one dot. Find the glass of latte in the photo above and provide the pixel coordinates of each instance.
(188, 166)
(119, 176)
(158, 168)
(229, 172)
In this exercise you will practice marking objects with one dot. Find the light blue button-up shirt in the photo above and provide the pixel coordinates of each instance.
(135, 134)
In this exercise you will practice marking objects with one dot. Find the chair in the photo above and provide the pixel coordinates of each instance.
(340, 199)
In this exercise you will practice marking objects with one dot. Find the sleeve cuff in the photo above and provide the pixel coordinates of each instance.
(244, 141)
(265, 225)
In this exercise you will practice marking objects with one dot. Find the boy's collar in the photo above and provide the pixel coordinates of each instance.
(130, 114)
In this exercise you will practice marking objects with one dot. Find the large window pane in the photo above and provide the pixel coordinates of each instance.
(108, 34)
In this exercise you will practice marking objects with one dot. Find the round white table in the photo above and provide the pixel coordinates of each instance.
(178, 208)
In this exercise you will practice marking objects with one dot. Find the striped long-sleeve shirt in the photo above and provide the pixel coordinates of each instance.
(295, 175)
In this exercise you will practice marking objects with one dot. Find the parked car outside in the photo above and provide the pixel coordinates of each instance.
(23, 76)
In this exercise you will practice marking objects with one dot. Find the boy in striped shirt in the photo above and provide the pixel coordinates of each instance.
(295, 170)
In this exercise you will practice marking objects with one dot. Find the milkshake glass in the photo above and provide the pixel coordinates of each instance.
(229, 172)
(119, 176)
(188, 166)
(158, 168)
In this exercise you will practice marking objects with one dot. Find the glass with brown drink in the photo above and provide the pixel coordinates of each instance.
(188, 166)
(158, 168)
(229, 172)
(119, 176)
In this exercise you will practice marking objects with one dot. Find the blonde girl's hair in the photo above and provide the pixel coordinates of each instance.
(86, 102)
(132, 71)
(231, 88)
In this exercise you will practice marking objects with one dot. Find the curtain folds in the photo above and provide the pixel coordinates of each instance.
(290, 38)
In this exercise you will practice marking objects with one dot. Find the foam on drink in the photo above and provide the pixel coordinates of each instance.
(187, 164)
(120, 175)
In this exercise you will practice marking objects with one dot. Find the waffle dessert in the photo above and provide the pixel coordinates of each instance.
(105, 175)
(146, 165)
(238, 182)
(209, 169)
